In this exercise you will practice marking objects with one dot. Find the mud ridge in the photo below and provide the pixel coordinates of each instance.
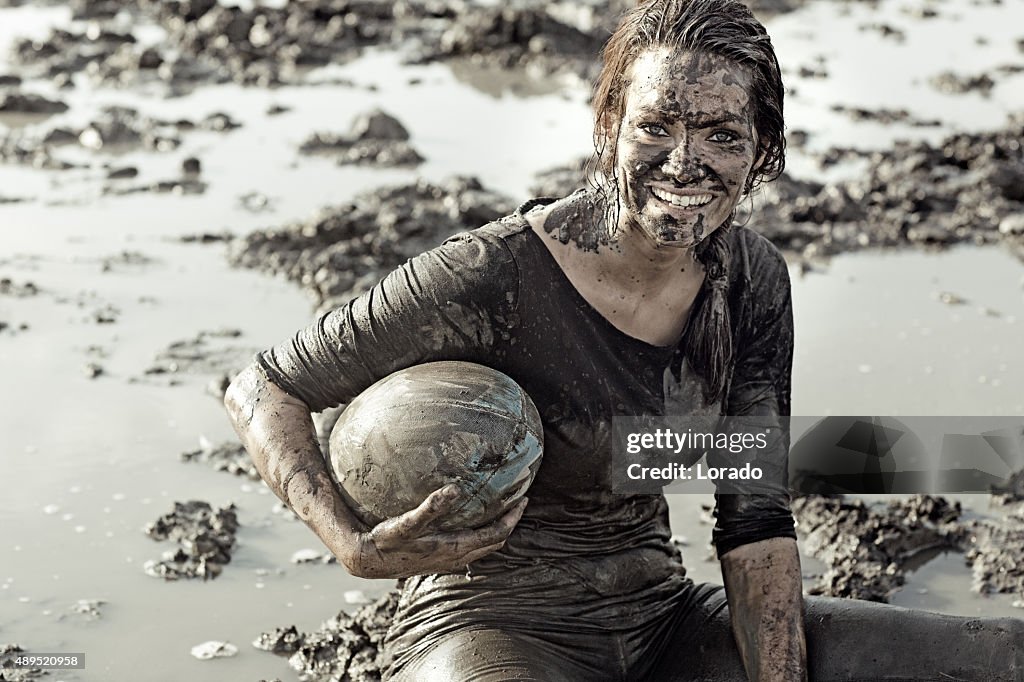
(344, 250)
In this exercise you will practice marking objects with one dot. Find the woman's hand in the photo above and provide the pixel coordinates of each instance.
(408, 545)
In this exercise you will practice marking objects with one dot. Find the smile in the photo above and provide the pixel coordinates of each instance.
(682, 200)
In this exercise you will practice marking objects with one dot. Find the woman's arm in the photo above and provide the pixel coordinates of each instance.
(765, 593)
(278, 433)
(451, 303)
(754, 534)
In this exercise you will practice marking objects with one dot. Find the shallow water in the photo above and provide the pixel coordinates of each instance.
(88, 462)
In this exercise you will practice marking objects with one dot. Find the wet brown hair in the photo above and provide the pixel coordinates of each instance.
(728, 29)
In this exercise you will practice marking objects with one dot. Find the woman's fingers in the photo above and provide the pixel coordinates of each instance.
(480, 553)
(415, 521)
(496, 532)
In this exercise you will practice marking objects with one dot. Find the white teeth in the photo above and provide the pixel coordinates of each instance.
(682, 201)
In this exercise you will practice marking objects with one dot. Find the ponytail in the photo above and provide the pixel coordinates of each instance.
(709, 332)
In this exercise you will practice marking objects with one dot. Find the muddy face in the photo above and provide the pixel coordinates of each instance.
(686, 145)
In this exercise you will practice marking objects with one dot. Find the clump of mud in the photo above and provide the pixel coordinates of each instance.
(958, 84)
(211, 42)
(346, 647)
(994, 549)
(866, 547)
(29, 103)
(9, 287)
(115, 130)
(229, 456)
(8, 673)
(205, 537)
(968, 188)
(516, 37)
(208, 352)
(376, 138)
(344, 250)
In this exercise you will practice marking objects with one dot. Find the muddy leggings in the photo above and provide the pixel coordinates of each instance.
(846, 640)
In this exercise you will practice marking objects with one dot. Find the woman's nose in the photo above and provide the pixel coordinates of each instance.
(682, 166)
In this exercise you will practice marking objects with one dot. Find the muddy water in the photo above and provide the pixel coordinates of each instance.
(87, 463)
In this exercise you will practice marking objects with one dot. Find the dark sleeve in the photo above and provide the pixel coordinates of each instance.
(455, 302)
(760, 389)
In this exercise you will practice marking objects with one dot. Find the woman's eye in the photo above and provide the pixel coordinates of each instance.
(653, 129)
(724, 136)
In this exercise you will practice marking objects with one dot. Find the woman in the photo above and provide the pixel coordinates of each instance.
(638, 297)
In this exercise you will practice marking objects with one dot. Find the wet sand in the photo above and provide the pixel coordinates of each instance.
(92, 441)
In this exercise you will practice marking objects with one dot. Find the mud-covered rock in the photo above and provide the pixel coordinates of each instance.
(229, 456)
(375, 138)
(343, 251)
(346, 647)
(866, 547)
(205, 537)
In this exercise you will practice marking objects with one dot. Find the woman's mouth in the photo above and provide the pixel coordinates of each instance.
(682, 200)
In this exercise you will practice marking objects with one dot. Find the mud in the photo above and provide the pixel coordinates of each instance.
(1011, 492)
(90, 609)
(8, 673)
(344, 250)
(26, 103)
(994, 549)
(228, 456)
(560, 181)
(346, 647)
(516, 37)
(866, 547)
(869, 548)
(209, 352)
(116, 130)
(958, 84)
(885, 30)
(885, 116)
(960, 190)
(205, 537)
(376, 138)
(9, 287)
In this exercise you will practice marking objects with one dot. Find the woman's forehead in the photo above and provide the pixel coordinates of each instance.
(682, 79)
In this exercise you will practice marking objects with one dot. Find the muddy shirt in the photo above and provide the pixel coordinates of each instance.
(496, 296)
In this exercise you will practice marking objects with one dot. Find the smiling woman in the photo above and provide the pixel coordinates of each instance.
(636, 297)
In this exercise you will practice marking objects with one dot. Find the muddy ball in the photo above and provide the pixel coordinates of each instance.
(424, 427)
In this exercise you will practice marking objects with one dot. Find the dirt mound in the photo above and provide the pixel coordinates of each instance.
(343, 251)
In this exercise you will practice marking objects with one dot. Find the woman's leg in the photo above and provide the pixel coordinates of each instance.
(854, 641)
(495, 655)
